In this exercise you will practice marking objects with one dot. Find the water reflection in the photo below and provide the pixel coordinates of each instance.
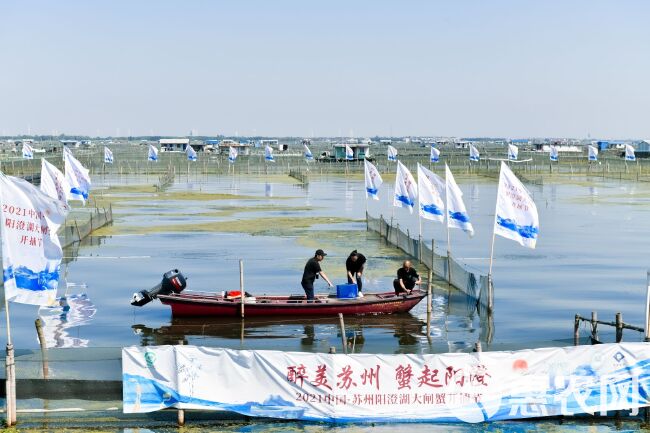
(307, 334)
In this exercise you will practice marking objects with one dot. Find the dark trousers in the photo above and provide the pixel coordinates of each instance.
(309, 290)
(398, 287)
(358, 281)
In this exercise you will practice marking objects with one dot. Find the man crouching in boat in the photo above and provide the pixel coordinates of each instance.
(311, 272)
(407, 279)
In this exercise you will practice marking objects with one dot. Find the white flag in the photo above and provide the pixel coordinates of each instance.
(392, 153)
(31, 252)
(308, 154)
(153, 153)
(191, 153)
(108, 155)
(53, 182)
(554, 153)
(513, 152)
(457, 216)
(593, 153)
(232, 154)
(349, 153)
(473, 153)
(435, 155)
(406, 191)
(77, 177)
(373, 180)
(629, 153)
(268, 153)
(28, 151)
(430, 196)
(516, 213)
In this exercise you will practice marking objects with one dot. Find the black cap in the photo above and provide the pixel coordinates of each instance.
(320, 252)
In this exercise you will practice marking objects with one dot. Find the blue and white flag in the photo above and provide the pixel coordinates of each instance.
(553, 153)
(516, 213)
(232, 154)
(153, 153)
(108, 155)
(349, 153)
(629, 153)
(457, 216)
(592, 153)
(268, 153)
(430, 195)
(435, 155)
(308, 154)
(77, 177)
(191, 153)
(28, 151)
(54, 183)
(373, 180)
(31, 252)
(513, 152)
(473, 153)
(406, 190)
(392, 153)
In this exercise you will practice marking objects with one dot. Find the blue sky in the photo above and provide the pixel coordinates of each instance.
(303, 68)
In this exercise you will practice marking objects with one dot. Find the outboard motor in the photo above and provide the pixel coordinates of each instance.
(172, 282)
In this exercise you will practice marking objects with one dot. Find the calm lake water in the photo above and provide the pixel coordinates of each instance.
(591, 255)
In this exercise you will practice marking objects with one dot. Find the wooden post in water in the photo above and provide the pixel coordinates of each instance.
(594, 325)
(647, 308)
(41, 339)
(576, 330)
(430, 277)
(619, 327)
(343, 339)
(477, 347)
(241, 285)
(181, 412)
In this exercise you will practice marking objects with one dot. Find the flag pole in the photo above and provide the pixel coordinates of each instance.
(10, 366)
(494, 235)
(448, 228)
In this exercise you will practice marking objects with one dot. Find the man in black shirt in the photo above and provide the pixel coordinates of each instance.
(407, 279)
(354, 266)
(311, 272)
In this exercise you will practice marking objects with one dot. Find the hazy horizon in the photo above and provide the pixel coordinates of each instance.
(289, 68)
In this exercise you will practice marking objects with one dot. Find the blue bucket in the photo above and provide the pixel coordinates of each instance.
(346, 291)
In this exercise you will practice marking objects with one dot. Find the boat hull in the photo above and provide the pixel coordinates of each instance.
(187, 305)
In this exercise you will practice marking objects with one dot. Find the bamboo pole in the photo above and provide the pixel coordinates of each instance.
(647, 308)
(430, 277)
(10, 383)
(343, 339)
(241, 285)
(41, 339)
(619, 327)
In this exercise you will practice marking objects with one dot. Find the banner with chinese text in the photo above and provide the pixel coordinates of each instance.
(453, 387)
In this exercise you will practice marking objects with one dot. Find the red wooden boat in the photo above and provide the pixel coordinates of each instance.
(211, 304)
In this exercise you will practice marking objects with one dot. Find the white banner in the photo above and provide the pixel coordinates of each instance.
(308, 154)
(592, 153)
(268, 153)
(373, 179)
(153, 153)
(553, 153)
(430, 192)
(392, 153)
(513, 152)
(457, 216)
(466, 387)
(516, 213)
(28, 151)
(435, 155)
(406, 190)
(474, 155)
(629, 153)
(54, 183)
(232, 154)
(108, 156)
(77, 177)
(31, 252)
(349, 153)
(191, 153)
